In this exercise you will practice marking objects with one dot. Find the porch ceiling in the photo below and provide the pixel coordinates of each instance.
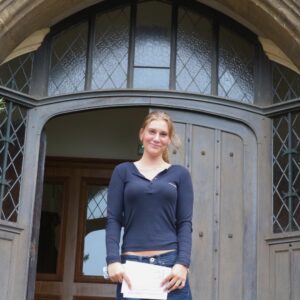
(278, 21)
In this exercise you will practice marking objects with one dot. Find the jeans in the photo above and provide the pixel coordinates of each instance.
(168, 260)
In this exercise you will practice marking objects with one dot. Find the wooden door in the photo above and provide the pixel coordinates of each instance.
(71, 244)
(221, 155)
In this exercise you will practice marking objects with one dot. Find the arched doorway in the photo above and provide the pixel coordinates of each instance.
(219, 150)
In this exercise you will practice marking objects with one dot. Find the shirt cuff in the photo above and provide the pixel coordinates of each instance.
(113, 259)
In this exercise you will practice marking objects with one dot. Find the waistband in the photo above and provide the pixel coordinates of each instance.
(166, 254)
(164, 259)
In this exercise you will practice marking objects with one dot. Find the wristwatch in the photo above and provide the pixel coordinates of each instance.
(105, 272)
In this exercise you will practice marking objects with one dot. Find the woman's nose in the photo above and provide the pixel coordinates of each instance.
(156, 137)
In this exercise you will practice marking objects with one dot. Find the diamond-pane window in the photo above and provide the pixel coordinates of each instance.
(12, 135)
(68, 61)
(286, 83)
(110, 56)
(286, 173)
(153, 45)
(236, 66)
(97, 202)
(93, 252)
(16, 74)
(194, 52)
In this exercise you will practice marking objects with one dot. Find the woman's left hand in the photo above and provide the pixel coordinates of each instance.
(176, 279)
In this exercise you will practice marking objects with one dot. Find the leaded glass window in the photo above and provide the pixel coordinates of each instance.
(110, 56)
(236, 66)
(194, 52)
(16, 74)
(286, 83)
(68, 60)
(148, 45)
(93, 232)
(286, 172)
(12, 135)
(152, 45)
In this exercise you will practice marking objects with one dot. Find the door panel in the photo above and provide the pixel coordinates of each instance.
(52, 229)
(203, 158)
(285, 271)
(177, 154)
(7, 251)
(231, 217)
(221, 156)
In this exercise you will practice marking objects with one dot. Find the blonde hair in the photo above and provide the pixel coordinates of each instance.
(160, 115)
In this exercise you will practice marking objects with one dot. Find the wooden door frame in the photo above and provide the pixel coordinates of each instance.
(251, 118)
(72, 169)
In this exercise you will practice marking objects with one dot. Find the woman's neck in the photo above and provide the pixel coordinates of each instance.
(152, 161)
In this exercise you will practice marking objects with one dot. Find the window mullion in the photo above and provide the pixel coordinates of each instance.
(6, 140)
(215, 59)
(90, 50)
(291, 152)
(174, 27)
(131, 44)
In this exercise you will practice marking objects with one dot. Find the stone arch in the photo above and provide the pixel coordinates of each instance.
(277, 21)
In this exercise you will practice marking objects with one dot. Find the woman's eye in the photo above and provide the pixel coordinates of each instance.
(163, 134)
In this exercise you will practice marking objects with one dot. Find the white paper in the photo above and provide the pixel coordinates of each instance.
(146, 281)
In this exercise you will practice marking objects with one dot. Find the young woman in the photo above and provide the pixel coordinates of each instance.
(153, 200)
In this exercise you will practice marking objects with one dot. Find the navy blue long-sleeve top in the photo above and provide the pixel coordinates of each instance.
(156, 214)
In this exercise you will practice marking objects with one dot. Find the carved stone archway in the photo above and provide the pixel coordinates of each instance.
(278, 21)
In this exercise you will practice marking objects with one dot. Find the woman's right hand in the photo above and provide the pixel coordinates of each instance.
(116, 273)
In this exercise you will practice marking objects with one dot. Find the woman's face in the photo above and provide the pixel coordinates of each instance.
(155, 137)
